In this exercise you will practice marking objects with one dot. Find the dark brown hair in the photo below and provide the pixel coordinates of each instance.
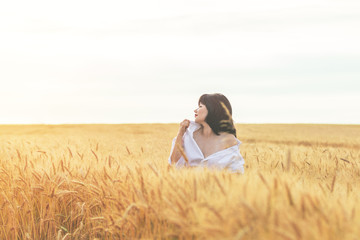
(219, 115)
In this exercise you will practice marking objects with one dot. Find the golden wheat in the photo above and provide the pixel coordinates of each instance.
(114, 182)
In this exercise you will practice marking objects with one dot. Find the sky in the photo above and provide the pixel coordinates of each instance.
(147, 61)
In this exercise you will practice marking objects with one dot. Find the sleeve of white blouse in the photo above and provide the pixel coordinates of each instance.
(237, 163)
(181, 161)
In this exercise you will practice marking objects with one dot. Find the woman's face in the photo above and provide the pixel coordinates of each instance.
(200, 113)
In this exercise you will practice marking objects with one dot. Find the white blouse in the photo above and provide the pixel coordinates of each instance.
(229, 158)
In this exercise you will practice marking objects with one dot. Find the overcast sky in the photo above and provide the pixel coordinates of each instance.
(278, 61)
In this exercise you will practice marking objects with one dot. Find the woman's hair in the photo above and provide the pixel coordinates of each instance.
(219, 115)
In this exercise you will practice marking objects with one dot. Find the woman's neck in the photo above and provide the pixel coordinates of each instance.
(206, 130)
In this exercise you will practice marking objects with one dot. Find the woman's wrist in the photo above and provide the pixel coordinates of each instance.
(181, 132)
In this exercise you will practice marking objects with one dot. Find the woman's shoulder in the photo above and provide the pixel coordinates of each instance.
(228, 140)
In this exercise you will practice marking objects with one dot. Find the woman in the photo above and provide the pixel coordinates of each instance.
(210, 140)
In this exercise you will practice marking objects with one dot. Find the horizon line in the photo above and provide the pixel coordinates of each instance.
(149, 123)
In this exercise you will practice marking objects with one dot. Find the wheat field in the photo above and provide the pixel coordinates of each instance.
(114, 182)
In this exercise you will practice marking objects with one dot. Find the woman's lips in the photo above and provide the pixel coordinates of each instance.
(196, 115)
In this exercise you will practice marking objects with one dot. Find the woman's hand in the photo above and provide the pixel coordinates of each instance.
(183, 126)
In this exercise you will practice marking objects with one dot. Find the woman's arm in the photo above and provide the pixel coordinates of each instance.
(176, 154)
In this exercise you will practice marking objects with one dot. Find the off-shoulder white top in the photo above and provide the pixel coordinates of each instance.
(229, 158)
